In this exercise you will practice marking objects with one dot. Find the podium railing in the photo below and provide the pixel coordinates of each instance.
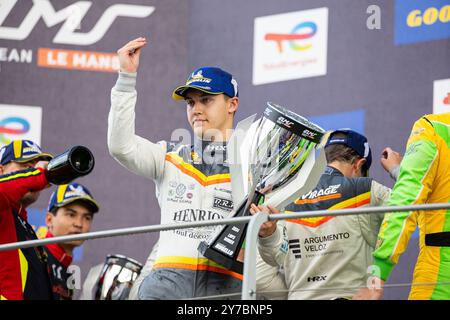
(255, 222)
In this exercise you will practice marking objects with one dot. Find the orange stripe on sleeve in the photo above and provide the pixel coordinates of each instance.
(198, 267)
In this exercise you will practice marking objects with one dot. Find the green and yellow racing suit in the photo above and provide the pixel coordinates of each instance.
(424, 178)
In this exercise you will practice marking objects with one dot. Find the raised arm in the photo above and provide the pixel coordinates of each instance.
(137, 154)
(15, 185)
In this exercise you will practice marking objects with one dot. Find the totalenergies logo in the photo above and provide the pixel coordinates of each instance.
(301, 31)
(14, 126)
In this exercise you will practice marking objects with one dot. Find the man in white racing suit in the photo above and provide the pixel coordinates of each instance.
(192, 181)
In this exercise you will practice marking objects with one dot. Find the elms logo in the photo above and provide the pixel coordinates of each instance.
(294, 37)
(72, 17)
(290, 46)
(421, 20)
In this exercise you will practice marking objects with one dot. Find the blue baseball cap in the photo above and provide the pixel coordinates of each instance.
(68, 193)
(210, 80)
(22, 151)
(354, 140)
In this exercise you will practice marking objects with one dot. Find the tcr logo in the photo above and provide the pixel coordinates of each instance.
(72, 17)
(298, 33)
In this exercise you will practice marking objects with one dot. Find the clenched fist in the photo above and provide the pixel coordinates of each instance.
(129, 55)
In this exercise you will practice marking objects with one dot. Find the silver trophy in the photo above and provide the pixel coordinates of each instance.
(272, 161)
(117, 277)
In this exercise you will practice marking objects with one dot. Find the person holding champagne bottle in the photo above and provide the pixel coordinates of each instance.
(23, 272)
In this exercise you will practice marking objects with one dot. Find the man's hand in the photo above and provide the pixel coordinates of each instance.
(390, 159)
(41, 164)
(129, 55)
(269, 227)
(373, 292)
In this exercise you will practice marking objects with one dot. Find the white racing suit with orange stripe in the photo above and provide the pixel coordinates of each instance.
(327, 257)
(192, 184)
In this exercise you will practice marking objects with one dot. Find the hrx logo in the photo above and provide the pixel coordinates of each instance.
(317, 278)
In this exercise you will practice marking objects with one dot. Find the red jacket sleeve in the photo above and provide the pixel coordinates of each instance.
(15, 185)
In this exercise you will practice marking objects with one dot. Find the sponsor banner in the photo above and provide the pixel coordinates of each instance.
(290, 46)
(72, 16)
(36, 218)
(20, 122)
(441, 96)
(70, 20)
(79, 60)
(421, 20)
(320, 245)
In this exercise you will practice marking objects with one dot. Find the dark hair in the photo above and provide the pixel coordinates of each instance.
(341, 152)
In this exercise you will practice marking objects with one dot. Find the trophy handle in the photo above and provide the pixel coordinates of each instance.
(237, 160)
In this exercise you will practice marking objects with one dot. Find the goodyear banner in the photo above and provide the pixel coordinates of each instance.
(421, 20)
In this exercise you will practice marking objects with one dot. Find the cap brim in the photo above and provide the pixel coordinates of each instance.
(91, 202)
(178, 93)
(43, 156)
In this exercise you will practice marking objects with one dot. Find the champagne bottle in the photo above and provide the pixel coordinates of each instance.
(76, 162)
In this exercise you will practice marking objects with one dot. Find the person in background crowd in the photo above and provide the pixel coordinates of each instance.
(71, 210)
